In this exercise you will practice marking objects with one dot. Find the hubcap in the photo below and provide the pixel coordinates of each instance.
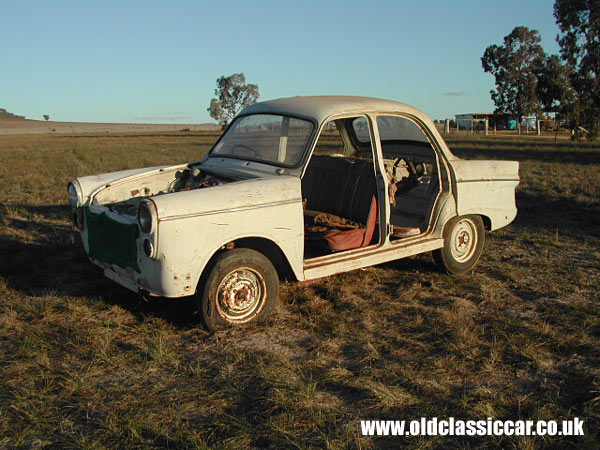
(241, 294)
(463, 240)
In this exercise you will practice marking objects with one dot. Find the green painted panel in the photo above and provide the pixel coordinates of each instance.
(110, 241)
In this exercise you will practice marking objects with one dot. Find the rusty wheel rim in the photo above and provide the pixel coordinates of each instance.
(241, 294)
(463, 240)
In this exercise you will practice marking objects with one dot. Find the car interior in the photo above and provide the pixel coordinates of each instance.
(340, 191)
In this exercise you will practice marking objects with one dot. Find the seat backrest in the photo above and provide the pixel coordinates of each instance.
(340, 186)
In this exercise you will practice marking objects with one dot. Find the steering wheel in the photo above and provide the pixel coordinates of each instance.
(254, 153)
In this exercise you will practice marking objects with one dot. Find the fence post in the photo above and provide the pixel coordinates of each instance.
(487, 127)
(447, 127)
(539, 129)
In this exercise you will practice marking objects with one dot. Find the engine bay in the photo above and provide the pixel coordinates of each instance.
(195, 178)
(139, 189)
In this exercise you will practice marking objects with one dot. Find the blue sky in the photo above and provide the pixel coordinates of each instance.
(157, 62)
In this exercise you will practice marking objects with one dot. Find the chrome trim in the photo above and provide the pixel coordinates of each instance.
(221, 211)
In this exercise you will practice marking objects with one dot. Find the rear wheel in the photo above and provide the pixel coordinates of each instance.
(463, 244)
(242, 288)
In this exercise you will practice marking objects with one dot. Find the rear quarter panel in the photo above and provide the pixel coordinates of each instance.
(486, 188)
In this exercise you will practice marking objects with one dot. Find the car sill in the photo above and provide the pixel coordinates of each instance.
(318, 269)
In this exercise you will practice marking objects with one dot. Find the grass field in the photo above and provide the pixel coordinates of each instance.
(85, 364)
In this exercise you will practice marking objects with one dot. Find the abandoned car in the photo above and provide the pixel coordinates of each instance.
(299, 188)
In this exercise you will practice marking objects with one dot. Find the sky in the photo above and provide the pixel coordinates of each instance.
(157, 62)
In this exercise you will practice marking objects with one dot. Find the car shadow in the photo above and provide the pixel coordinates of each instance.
(567, 216)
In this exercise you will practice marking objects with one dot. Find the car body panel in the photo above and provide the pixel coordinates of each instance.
(192, 242)
(91, 183)
(230, 197)
(487, 188)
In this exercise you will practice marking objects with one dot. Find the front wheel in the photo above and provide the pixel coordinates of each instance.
(242, 288)
(463, 244)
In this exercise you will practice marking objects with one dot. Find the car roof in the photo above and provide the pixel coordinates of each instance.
(323, 107)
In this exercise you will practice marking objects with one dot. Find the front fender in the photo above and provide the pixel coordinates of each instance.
(187, 243)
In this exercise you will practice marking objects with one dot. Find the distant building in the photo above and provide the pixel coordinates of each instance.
(476, 120)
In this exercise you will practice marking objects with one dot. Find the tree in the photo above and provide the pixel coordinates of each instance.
(46, 117)
(554, 89)
(233, 95)
(514, 66)
(579, 24)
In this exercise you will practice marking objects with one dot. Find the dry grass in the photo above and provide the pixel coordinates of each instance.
(84, 364)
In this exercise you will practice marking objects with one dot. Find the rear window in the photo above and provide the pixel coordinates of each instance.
(361, 130)
(394, 128)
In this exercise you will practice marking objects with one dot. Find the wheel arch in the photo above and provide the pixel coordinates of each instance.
(272, 251)
(487, 222)
(265, 246)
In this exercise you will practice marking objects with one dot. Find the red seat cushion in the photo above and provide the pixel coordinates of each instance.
(360, 237)
(346, 236)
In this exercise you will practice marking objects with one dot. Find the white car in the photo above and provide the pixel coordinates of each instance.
(297, 188)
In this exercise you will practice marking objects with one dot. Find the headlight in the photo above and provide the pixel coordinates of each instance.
(75, 198)
(146, 214)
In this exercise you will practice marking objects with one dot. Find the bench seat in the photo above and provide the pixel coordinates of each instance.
(341, 202)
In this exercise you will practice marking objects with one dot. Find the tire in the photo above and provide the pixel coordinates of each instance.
(241, 288)
(463, 244)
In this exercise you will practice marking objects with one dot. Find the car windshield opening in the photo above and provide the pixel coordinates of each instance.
(270, 138)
